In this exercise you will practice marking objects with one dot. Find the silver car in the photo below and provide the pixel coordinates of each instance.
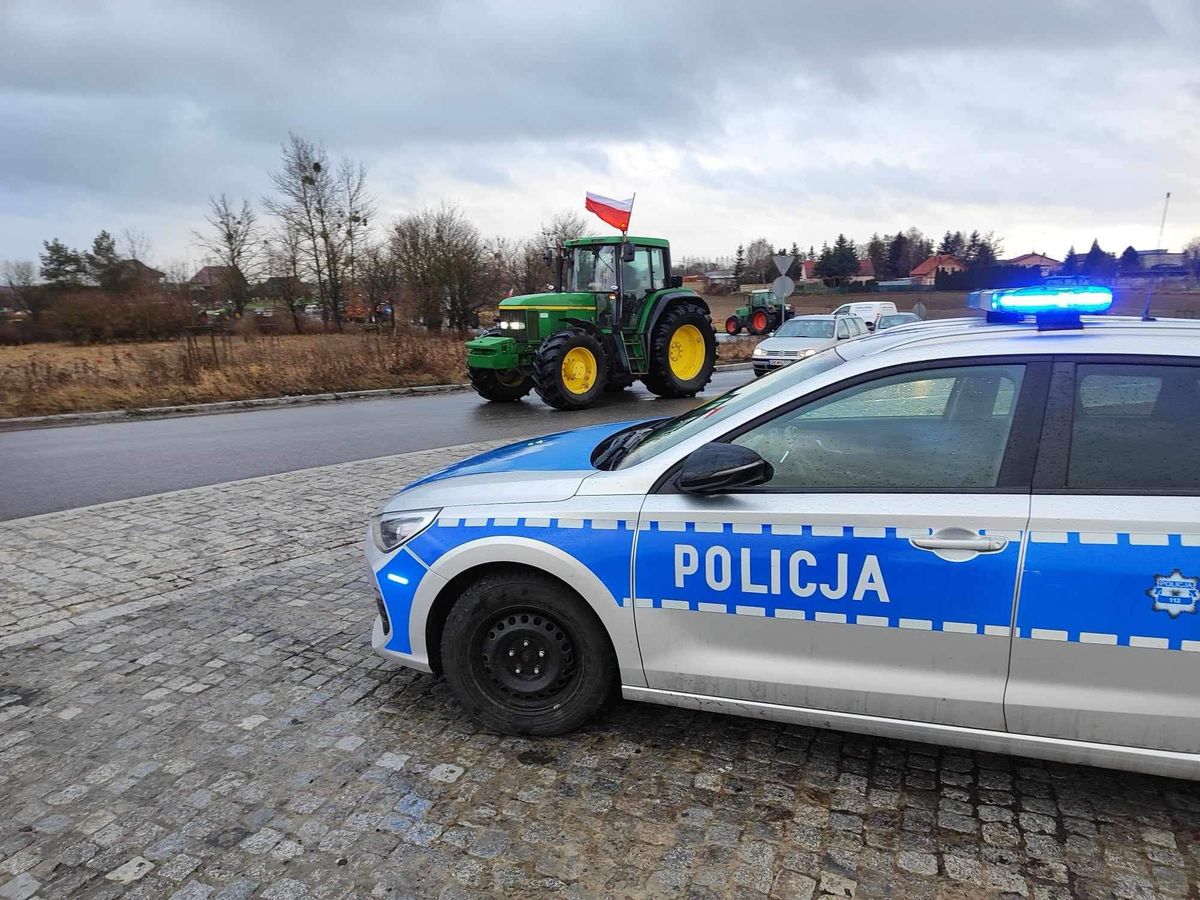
(980, 534)
(802, 337)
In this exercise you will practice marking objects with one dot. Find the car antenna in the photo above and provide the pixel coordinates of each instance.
(1146, 317)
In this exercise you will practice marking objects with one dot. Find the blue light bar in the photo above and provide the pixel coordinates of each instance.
(1076, 298)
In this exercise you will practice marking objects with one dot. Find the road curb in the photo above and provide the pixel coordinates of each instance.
(200, 409)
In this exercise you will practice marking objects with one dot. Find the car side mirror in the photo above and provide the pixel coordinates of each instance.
(676, 281)
(721, 469)
(626, 252)
(770, 334)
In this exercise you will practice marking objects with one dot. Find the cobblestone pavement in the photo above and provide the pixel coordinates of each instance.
(189, 708)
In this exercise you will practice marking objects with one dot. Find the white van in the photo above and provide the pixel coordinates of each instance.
(867, 310)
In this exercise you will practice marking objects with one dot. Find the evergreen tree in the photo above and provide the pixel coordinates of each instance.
(899, 254)
(877, 253)
(739, 263)
(840, 261)
(953, 244)
(1130, 261)
(811, 254)
(61, 266)
(103, 263)
(1070, 264)
(795, 250)
(1093, 263)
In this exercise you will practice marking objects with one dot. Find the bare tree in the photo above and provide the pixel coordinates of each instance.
(566, 226)
(329, 208)
(135, 244)
(285, 268)
(381, 282)
(236, 244)
(441, 258)
(29, 296)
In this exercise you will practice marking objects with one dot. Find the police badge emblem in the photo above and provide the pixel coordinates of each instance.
(1175, 593)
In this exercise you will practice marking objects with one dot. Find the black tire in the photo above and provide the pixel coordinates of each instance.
(548, 368)
(760, 322)
(733, 325)
(498, 386)
(490, 644)
(660, 379)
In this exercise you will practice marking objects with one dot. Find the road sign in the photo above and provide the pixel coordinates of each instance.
(784, 262)
(783, 286)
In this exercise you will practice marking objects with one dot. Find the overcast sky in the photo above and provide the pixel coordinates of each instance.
(1048, 121)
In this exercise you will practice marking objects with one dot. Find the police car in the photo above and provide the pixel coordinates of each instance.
(982, 533)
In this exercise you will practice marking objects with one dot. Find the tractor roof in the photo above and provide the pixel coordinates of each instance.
(616, 239)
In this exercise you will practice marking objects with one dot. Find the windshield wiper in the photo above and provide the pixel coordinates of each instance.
(624, 441)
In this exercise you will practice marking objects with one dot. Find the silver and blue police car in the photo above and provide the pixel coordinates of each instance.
(983, 533)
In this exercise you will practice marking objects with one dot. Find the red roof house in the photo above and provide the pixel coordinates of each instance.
(926, 272)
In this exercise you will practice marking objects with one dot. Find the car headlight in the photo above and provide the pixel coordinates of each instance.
(759, 352)
(808, 352)
(391, 529)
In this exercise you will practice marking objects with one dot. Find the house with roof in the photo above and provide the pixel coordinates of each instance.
(1046, 265)
(925, 272)
(135, 273)
(866, 271)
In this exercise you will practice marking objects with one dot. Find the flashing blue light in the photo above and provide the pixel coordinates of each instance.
(1076, 298)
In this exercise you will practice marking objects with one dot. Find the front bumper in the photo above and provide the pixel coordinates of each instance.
(493, 352)
(770, 363)
(379, 643)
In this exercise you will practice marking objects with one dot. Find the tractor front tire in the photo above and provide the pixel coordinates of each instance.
(500, 386)
(733, 325)
(683, 351)
(570, 369)
(760, 321)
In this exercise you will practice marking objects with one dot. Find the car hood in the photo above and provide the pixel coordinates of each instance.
(541, 469)
(776, 344)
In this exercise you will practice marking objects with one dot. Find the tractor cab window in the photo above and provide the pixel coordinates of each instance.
(636, 275)
(592, 269)
(658, 278)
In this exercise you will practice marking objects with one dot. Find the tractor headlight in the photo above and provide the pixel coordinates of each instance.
(516, 324)
(390, 530)
(504, 325)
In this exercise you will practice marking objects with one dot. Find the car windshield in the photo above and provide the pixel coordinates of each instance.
(898, 319)
(806, 328)
(591, 269)
(673, 431)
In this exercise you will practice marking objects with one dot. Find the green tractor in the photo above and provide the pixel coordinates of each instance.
(616, 315)
(760, 315)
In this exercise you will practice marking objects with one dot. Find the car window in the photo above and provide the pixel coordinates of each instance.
(806, 328)
(843, 330)
(859, 326)
(728, 404)
(1135, 427)
(936, 429)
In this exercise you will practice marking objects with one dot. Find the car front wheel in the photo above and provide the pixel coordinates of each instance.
(525, 655)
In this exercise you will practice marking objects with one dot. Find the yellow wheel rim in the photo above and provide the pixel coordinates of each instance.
(686, 352)
(579, 370)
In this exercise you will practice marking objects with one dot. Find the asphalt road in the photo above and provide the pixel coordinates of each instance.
(48, 469)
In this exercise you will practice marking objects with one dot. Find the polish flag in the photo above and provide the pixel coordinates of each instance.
(615, 212)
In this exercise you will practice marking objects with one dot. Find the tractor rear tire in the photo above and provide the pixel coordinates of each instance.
(682, 333)
(570, 369)
(500, 386)
(733, 325)
(760, 321)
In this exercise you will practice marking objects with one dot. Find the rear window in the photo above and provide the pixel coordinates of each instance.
(1136, 428)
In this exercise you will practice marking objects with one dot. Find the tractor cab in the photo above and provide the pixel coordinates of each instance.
(616, 315)
(611, 269)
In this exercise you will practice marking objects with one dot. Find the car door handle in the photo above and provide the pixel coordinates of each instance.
(979, 544)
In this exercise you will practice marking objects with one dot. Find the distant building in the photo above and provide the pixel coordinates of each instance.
(926, 272)
(1046, 265)
(1161, 259)
(866, 271)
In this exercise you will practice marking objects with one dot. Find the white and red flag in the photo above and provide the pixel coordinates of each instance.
(615, 212)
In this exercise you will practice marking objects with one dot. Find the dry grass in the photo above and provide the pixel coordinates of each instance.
(42, 379)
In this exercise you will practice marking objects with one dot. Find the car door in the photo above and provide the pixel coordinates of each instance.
(1108, 629)
(875, 572)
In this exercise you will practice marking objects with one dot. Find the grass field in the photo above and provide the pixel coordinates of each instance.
(42, 379)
